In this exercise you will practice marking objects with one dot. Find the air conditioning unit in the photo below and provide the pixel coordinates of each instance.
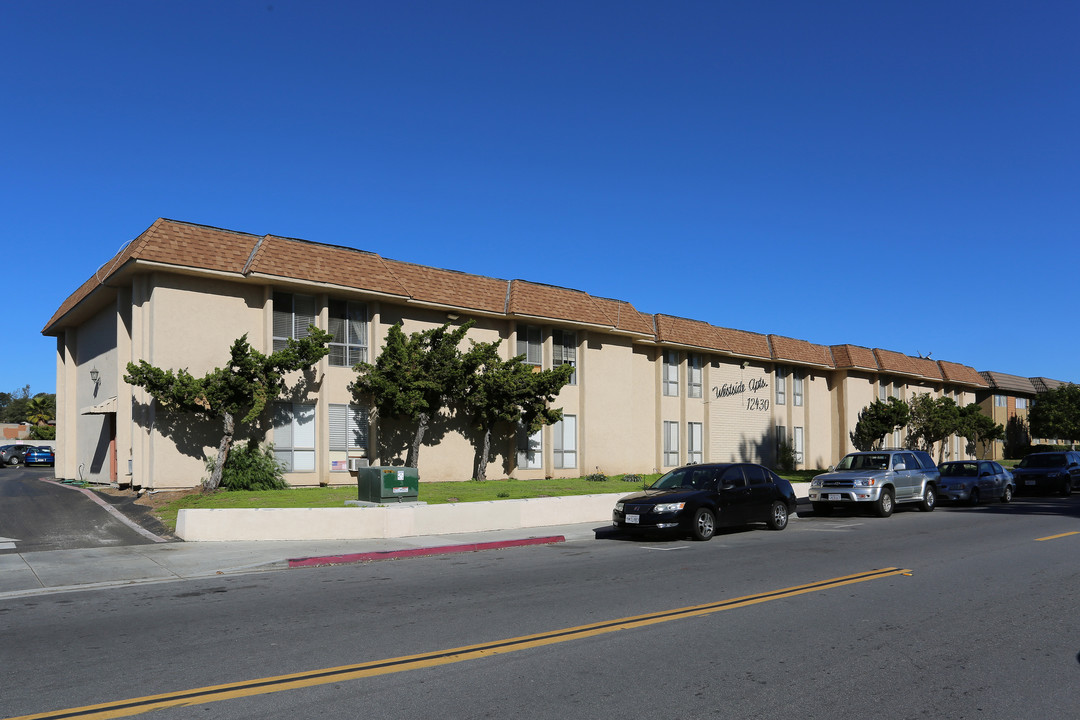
(356, 463)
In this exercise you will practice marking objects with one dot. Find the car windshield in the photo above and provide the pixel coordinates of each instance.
(864, 462)
(959, 470)
(689, 478)
(1042, 461)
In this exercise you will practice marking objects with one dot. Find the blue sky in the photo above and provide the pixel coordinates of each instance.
(888, 174)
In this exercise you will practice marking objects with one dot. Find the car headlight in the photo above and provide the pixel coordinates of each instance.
(864, 482)
(668, 507)
(618, 507)
(816, 482)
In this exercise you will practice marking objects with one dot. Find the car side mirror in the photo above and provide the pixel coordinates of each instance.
(899, 466)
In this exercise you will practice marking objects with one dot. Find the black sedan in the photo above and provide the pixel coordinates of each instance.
(697, 499)
(1048, 472)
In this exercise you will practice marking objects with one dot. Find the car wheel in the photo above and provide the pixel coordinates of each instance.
(822, 508)
(1006, 497)
(974, 497)
(778, 516)
(884, 505)
(704, 525)
(929, 499)
(15, 460)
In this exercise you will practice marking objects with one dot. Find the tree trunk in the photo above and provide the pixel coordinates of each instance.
(481, 466)
(223, 454)
(413, 459)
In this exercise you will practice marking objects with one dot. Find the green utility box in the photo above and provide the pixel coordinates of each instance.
(383, 484)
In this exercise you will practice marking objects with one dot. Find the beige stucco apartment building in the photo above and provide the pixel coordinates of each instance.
(649, 392)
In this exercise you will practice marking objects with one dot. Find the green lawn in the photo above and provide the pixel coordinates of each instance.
(432, 493)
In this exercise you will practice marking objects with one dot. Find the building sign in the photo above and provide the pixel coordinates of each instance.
(739, 388)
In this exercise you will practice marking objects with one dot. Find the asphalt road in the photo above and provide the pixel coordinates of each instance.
(983, 624)
(37, 516)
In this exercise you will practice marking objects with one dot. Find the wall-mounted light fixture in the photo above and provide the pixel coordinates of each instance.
(452, 316)
(744, 363)
(95, 376)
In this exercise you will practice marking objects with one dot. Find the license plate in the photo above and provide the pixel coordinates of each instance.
(836, 497)
(633, 519)
(1029, 482)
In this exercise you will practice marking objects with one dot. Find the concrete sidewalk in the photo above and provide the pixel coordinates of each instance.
(35, 573)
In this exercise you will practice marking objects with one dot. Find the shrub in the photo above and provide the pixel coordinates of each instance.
(634, 478)
(596, 477)
(43, 432)
(785, 457)
(250, 467)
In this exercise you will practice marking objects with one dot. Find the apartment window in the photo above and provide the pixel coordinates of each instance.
(999, 401)
(694, 436)
(1021, 403)
(671, 444)
(797, 437)
(529, 344)
(797, 387)
(781, 386)
(564, 351)
(293, 314)
(530, 455)
(693, 376)
(294, 436)
(348, 428)
(565, 434)
(348, 326)
(883, 391)
(671, 373)
(781, 437)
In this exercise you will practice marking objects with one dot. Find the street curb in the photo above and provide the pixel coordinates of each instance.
(420, 552)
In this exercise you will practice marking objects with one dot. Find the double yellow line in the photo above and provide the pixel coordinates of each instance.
(215, 693)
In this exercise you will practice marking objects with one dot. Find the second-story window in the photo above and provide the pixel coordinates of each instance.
(564, 351)
(1021, 403)
(999, 401)
(781, 386)
(693, 376)
(348, 325)
(529, 344)
(671, 373)
(293, 314)
(797, 387)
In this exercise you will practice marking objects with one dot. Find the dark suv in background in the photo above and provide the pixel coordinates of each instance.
(1048, 472)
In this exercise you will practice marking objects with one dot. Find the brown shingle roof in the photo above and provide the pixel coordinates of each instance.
(799, 351)
(288, 258)
(627, 317)
(694, 333)
(853, 356)
(451, 288)
(960, 374)
(745, 343)
(1009, 383)
(548, 301)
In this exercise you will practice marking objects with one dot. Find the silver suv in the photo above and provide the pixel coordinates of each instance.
(878, 478)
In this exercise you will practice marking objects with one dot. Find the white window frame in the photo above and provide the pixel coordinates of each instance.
(693, 376)
(671, 443)
(530, 455)
(797, 439)
(671, 373)
(999, 401)
(797, 388)
(564, 351)
(294, 436)
(695, 434)
(349, 429)
(883, 390)
(1021, 403)
(293, 314)
(530, 343)
(350, 332)
(781, 386)
(565, 442)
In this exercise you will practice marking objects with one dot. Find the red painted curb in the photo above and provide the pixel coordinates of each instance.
(420, 552)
